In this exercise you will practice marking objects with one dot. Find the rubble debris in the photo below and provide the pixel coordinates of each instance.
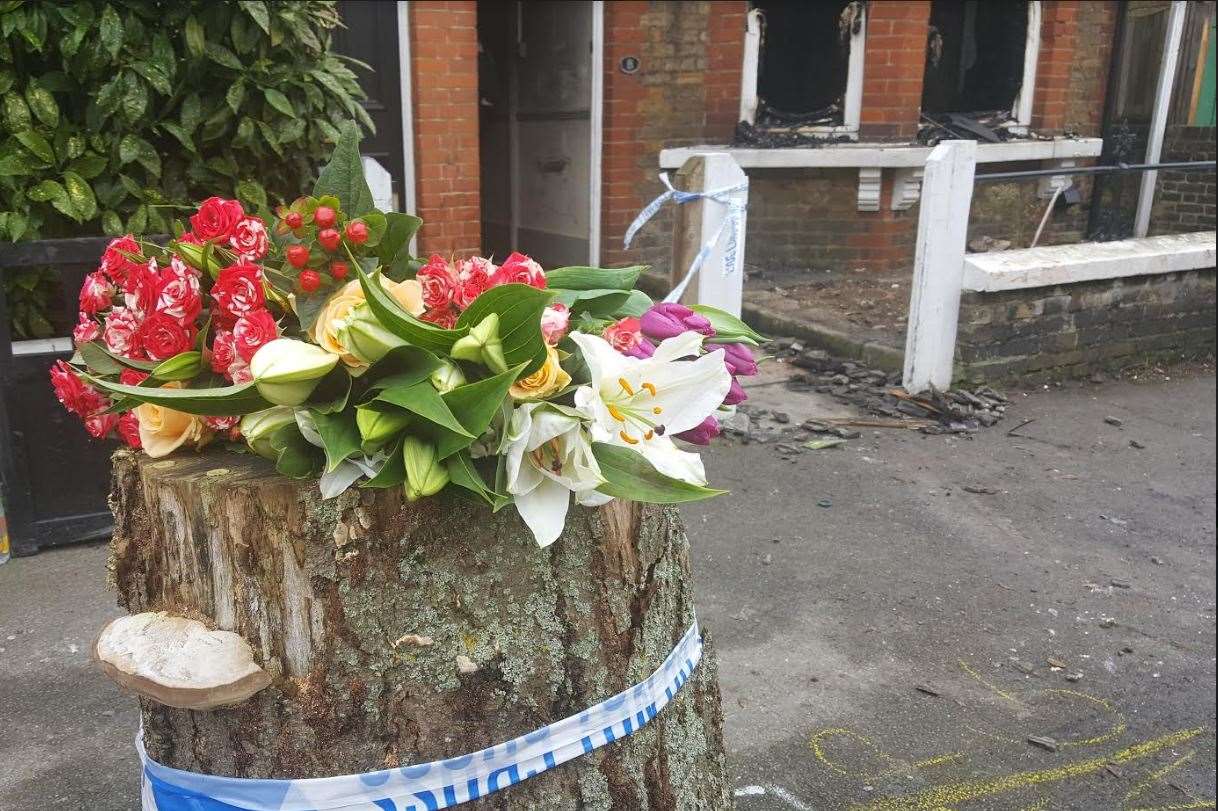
(1043, 742)
(821, 444)
(777, 136)
(1136, 445)
(825, 503)
(1121, 584)
(988, 244)
(955, 411)
(1074, 677)
(928, 690)
(414, 640)
(979, 491)
(1115, 421)
(466, 665)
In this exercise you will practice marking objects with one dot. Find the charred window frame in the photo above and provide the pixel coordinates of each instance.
(955, 13)
(789, 28)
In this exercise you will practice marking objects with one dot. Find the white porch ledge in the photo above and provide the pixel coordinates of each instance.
(1069, 264)
(872, 159)
(885, 156)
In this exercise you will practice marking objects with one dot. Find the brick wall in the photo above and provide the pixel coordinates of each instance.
(1058, 39)
(1184, 201)
(892, 71)
(1071, 330)
(686, 91)
(1095, 32)
(444, 70)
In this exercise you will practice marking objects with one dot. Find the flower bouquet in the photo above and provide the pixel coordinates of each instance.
(320, 343)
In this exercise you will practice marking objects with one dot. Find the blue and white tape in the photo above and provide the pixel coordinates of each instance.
(731, 225)
(441, 783)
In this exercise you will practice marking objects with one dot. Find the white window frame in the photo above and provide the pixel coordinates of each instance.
(1021, 110)
(852, 99)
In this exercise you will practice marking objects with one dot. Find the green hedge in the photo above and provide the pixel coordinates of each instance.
(118, 113)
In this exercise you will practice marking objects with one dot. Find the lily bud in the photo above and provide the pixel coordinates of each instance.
(260, 426)
(182, 366)
(286, 370)
(425, 475)
(364, 337)
(482, 345)
(193, 255)
(377, 427)
(447, 377)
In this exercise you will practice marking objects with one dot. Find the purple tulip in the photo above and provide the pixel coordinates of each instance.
(702, 433)
(667, 320)
(642, 348)
(735, 394)
(739, 360)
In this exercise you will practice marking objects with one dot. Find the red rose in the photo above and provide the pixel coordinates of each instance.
(85, 330)
(439, 281)
(249, 239)
(100, 425)
(179, 294)
(121, 333)
(238, 289)
(129, 429)
(96, 294)
(445, 317)
(520, 269)
(143, 289)
(252, 330)
(473, 279)
(223, 351)
(115, 262)
(216, 218)
(132, 377)
(163, 336)
(77, 396)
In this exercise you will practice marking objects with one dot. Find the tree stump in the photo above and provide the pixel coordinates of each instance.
(399, 633)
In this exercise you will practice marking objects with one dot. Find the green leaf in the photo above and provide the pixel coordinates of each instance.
(597, 303)
(519, 307)
(16, 113)
(219, 402)
(401, 366)
(36, 144)
(110, 31)
(112, 224)
(332, 393)
(223, 56)
(401, 323)
(99, 360)
(196, 40)
(343, 176)
(728, 328)
(135, 97)
(251, 191)
(461, 472)
(51, 191)
(278, 101)
(587, 278)
(42, 104)
(475, 405)
(399, 228)
(81, 195)
(339, 435)
(155, 77)
(179, 132)
(635, 305)
(630, 476)
(191, 113)
(235, 95)
(422, 399)
(393, 472)
(15, 164)
(256, 9)
(182, 366)
(297, 457)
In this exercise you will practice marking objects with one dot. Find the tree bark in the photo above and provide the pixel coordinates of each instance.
(327, 593)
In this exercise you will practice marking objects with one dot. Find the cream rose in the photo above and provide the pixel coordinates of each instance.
(545, 382)
(333, 316)
(164, 430)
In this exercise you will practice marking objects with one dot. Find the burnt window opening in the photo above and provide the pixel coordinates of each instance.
(975, 57)
(804, 64)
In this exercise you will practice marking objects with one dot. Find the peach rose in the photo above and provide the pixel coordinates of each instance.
(333, 316)
(164, 430)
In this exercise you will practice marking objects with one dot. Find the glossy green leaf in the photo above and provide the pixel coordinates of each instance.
(395, 244)
(589, 278)
(343, 176)
(16, 113)
(393, 472)
(461, 472)
(339, 435)
(81, 194)
(222, 56)
(728, 328)
(400, 323)
(422, 399)
(256, 9)
(519, 308)
(42, 104)
(629, 475)
(475, 405)
(218, 402)
(278, 101)
(110, 31)
(297, 457)
(36, 144)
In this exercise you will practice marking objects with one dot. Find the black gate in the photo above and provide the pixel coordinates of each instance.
(53, 477)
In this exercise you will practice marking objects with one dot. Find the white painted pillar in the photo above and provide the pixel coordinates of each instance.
(938, 274)
(748, 69)
(409, 191)
(1158, 117)
(698, 222)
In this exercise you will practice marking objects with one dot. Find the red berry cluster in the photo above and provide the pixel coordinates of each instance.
(328, 236)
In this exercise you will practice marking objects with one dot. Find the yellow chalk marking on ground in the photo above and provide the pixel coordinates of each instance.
(993, 688)
(957, 793)
(1117, 730)
(1039, 805)
(819, 751)
(1154, 777)
(1181, 807)
(939, 760)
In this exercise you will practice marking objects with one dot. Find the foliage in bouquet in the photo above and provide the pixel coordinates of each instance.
(320, 343)
(115, 111)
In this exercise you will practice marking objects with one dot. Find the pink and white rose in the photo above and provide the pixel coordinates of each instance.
(179, 295)
(554, 322)
(121, 333)
(96, 294)
(249, 239)
(519, 269)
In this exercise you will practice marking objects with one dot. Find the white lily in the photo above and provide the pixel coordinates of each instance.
(640, 403)
(547, 457)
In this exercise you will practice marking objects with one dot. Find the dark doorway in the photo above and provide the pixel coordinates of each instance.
(371, 36)
(804, 62)
(535, 128)
(974, 55)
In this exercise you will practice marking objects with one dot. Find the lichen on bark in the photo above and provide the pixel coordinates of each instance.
(334, 596)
